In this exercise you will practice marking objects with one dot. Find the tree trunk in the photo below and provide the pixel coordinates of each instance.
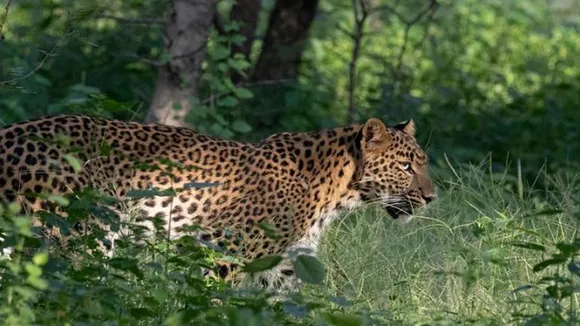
(286, 36)
(186, 34)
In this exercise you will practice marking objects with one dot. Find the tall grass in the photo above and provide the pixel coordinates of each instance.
(459, 259)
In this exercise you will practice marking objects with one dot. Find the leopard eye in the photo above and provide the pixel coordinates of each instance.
(406, 167)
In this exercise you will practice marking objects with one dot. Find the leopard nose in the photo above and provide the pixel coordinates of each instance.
(429, 197)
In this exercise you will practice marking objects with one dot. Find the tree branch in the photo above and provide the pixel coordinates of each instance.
(361, 13)
(408, 25)
(357, 35)
(391, 10)
(345, 31)
(428, 19)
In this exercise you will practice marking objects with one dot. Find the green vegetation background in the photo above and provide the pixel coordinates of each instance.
(494, 87)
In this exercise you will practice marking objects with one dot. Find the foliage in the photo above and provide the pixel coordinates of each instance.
(494, 68)
(150, 282)
(490, 81)
(216, 115)
(68, 56)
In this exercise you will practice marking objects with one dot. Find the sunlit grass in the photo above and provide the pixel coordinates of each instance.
(456, 260)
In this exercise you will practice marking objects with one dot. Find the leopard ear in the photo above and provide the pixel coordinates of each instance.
(374, 134)
(407, 127)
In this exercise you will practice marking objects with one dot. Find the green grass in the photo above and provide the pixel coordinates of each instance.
(456, 262)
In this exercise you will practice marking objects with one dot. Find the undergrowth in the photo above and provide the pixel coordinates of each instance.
(479, 254)
(489, 251)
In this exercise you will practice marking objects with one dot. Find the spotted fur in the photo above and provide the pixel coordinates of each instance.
(296, 182)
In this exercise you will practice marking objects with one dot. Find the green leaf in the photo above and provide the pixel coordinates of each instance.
(62, 139)
(529, 245)
(309, 269)
(126, 264)
(33, 270)
(37, 283)
(222, 67)
(546, 212)
(141, 312)
(219, 85)
(523, 287)
(269, 230)
(144, 193)
(554, 261)
(220, 52)
(74, 162)
(569, 250)
(241, 126)
(227, 101)
(569, 290)
(238, 63)
(59, 200)
(219, 130)
(42, 80)
(237, 39)
(233, 26)
(263, 264)
(14, 208)
(219, 118)
(40, 259)
(159, 295)
(25, 292)
(113, 106)
(174, 320)
(243, 93)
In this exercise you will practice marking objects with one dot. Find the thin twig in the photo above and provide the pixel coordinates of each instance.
(143, 59)
(136, 21)
(47, 55)
(6, 10)
(266, 82)
(429, 11)
(428, 21)
(345, 31)
(408, 25)
(391, 10)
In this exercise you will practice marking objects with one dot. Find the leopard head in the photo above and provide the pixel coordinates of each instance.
(394, 170)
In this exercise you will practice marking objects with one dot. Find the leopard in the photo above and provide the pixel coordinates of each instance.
(297, 183)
